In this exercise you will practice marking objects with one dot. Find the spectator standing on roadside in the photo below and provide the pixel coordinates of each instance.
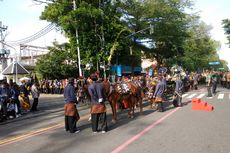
(214, 82)
(209, 83)
(4, 98)
(35, 95)
(195, 82)
(14, 93)
(228, 80)
(71, 113)
(223, 79)
(24, 96)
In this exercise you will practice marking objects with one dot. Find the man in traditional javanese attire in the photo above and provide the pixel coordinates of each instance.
(177, 98)
(71, 113)
(98, 108)
(159, 93)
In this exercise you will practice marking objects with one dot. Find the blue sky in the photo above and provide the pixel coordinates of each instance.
(20, 14)
(22, 19)
(14, 11)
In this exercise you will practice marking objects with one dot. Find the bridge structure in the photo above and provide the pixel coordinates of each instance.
(30, 54)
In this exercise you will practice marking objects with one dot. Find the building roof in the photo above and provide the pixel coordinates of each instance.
(14, 68)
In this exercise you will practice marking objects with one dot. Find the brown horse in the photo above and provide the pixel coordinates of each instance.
(133, 97)
(115, 96)
(137, 96)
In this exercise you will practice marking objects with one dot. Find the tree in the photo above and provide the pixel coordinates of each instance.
(223, 65)
(98, 24)
(58, 63)
(226, 26)
(133, 17)
(117, 32)
(200, 48)
(170, 23)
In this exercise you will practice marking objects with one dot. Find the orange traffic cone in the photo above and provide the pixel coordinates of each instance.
(197, 104)
(208, 107)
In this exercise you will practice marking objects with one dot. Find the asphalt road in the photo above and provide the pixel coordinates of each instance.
(177, 130)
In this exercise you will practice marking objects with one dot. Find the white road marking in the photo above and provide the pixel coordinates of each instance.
(220, 96)
(200, 96)
(186, 95)
(192, 95)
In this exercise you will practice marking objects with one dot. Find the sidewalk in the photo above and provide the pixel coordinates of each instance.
(48, 104)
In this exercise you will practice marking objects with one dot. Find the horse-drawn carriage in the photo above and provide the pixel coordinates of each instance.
(130, 93)
(170, 77)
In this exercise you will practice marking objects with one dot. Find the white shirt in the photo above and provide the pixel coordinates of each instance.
(34, 91)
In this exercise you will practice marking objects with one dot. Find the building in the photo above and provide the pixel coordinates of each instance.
(28, 56)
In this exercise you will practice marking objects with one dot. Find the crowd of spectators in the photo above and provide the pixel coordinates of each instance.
(14, 98)
(15, 101)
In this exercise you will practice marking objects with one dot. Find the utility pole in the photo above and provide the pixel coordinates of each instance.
(102, 38)
(3, 52)
(78, 49)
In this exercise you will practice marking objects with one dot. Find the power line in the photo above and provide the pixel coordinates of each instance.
(33, 37)
(44, 2)
(47, 27)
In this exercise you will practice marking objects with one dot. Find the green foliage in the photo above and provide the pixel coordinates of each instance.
(200, 48)
(112, 32)
(226, 26)
(97, 22)
(223, 65)
(170, 23)
(56, 64)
